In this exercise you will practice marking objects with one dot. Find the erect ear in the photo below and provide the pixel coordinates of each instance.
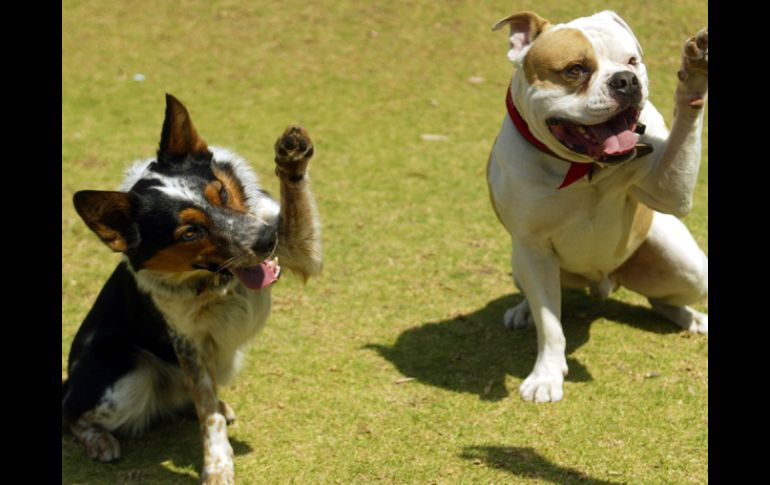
(525, 27)
(108, 214)
(179, 137)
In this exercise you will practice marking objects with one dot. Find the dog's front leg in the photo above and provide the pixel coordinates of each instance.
(537, 270)
(197, 362)
(669, 186)
(299, 233)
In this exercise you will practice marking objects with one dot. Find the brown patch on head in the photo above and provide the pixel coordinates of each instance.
(552, 60)
(227, 185)
(183, 255)
(179, 137)
(193, 216)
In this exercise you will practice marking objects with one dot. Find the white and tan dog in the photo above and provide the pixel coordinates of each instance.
(589, 181)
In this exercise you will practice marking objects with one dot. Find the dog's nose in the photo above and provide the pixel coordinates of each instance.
(265, 242)
(625, 83)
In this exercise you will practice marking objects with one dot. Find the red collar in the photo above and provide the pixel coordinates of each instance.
(576, 170)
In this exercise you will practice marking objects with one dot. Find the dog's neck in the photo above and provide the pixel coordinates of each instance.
(576, 170)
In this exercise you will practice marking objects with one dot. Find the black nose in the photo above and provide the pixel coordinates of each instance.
(625, 83)
(266, 242)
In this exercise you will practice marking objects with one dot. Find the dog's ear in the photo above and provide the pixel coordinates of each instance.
(179, 137)
(525, 27)
(108, 214)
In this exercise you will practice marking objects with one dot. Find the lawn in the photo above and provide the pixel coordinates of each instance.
(393, 366)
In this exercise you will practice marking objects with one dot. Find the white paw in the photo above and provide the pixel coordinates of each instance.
(518, 317)
(223, 477)
(700, 323)
(542, 386)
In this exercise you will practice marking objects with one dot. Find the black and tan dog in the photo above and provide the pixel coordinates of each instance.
(201, 243)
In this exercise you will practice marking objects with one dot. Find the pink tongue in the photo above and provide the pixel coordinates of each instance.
(615, 136)
(259, 276)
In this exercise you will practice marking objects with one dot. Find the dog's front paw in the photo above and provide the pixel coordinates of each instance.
(545, 383)
(518, 317)
(542, 387)
(695, 69)
(699, 324)
(227, 412)
(293, 150)
(220, 477)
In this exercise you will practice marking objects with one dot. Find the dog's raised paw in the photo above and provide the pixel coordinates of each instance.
(518, 317)
(695, 61)
(293, 150)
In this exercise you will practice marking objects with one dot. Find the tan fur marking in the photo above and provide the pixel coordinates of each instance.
(183, 138)
(554, 52)
(183, 255)
(236, 199)
(211, 192)
(193, 216)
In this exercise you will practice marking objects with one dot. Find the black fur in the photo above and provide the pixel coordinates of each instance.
(122, 322)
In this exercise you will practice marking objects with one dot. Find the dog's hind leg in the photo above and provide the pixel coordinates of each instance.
(671, 271)
(299, 233)
(100, 399)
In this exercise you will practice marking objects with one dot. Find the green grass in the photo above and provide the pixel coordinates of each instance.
(416, 273)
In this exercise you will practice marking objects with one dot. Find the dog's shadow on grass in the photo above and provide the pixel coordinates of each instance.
(474, 352)
(171, 452)
(527, 463)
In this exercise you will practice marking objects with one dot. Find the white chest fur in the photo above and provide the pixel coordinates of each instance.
(230, 315)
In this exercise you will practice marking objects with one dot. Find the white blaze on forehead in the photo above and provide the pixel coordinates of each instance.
(258, 202)
(611, 37)
(177, 188)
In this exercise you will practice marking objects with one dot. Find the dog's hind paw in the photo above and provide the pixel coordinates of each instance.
(293, 151)
(518, 317)
(100, 444)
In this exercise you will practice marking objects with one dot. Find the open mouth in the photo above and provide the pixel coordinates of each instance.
(255, 277)
(260, 276)
(610, 142)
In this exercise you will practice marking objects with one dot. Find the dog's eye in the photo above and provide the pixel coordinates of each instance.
(190, 233)
(633, 61)
(575, 71)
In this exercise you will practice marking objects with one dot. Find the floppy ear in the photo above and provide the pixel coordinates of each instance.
(179, 137)
(108, 214)
(525, 27)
